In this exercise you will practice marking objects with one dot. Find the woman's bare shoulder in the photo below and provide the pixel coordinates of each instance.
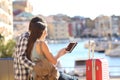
(42, 43)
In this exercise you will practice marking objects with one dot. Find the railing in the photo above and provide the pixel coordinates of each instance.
(114, 71)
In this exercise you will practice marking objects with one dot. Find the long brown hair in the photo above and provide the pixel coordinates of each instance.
(36, 29)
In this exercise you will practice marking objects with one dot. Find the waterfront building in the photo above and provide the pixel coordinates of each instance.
(76, 26)
(70, 30)
(115, 25)
(57, 28)
(6, 19)
(90, 30)
(22, 6)
(102, 25)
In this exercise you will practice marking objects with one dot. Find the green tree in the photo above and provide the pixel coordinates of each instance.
(6, 50)
(1, 43)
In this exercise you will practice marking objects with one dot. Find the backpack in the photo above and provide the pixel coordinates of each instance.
(44, 70)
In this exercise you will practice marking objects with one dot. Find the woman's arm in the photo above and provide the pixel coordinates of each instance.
(49, 55)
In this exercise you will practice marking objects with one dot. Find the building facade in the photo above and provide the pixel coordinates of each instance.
(57, 27)
(58, 30)
(6, 19)
(22, 6)
(76, 26)
(102, 25)
(115, 25)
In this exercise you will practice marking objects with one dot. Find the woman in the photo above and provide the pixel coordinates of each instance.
(37, 47)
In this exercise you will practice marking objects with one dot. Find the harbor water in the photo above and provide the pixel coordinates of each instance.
(80, 52)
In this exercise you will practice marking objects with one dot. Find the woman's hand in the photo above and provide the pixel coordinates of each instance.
(62, 52)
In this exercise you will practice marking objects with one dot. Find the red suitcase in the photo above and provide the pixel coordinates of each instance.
(96, 69)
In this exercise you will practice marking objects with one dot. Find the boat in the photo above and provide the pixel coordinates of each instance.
(100, 46)
(103, 46)
(115, 52)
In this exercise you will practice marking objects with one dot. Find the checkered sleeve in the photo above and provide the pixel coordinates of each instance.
(23, 59)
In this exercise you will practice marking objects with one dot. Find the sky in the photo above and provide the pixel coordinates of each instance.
(85, 8)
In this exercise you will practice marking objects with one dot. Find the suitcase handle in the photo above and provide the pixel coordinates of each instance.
(91, 49)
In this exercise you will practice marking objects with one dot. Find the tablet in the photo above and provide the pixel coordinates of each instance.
(71, 46)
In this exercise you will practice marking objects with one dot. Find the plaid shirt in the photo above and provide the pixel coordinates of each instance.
(22, 65)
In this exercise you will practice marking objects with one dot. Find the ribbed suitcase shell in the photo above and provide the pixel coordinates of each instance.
(97, 69)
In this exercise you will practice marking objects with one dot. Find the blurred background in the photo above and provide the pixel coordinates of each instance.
(68, 20)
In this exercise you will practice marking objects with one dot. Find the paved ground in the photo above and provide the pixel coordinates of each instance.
(114, 78)
(83, 78)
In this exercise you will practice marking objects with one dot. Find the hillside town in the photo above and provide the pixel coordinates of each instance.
(15, 19)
